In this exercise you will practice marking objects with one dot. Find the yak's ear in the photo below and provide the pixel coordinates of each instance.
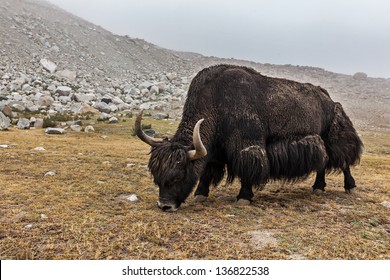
(200, 150)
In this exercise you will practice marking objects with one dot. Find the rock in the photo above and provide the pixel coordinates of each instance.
(50, 173)
(171, 76)
(4, 122)
(43, 217)
(63, 90)
(89, 128)
(7, 111)
(18, 107)
(160, 116)
(39, 149)
(113, 120)
(76, 127)
(145, 85)
(87, 109)
(23, 123)
(38, 123)
(107, 99)
(154, 90)
(45, 101)
(67, 74)
(52, 130)
(48, 65)
(104, 117)
(132, 198)
(102, 107)
(386, 204)
(3, 146)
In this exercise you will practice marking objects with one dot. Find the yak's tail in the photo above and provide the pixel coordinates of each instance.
(343, 144)
(295, 158)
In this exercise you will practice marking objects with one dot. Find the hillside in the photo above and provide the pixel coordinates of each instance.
(43, 47)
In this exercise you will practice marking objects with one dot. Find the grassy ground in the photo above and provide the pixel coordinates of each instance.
(77, 214)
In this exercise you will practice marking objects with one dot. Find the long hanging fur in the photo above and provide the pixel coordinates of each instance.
(343, 143)
(295, 158)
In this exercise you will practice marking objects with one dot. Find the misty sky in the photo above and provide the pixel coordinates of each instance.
(343, 36)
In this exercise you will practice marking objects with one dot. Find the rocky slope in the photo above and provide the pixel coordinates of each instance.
(53, 62)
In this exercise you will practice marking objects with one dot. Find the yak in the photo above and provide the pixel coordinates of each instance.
(241, 123)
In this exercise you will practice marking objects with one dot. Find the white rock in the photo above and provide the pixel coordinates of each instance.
(39, 149)
(132, 198)
(113, 120)
(4, 122)
(43, 216)
(64, 90)
(89, 128)
(48, 65)
(4, 146)
(50, 173)
(67, 74)
(76, 127)
(23, 123)
(386, 204)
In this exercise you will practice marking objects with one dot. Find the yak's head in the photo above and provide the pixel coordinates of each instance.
(172, 166)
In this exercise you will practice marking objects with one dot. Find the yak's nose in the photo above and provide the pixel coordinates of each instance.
(166, 207)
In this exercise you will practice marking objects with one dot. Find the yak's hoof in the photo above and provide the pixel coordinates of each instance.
(350, 191)
(200, 198)
(243, 202)
(318, 191)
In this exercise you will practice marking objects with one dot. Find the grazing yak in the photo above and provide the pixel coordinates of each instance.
(253, 127)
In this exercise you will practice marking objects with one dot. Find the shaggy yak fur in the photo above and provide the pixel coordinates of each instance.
(255, 128)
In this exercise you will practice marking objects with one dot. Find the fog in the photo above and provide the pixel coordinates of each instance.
(338, 35)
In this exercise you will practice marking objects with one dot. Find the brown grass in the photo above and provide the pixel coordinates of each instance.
(77, 213)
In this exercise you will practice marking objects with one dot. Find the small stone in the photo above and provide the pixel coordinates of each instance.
(160, 116)
(64, 90)
(104, 117)
(67, 74)
(76, 127)
(50, 173)
(113, 120)
(43, 216)
(89, 128)
(52, 130)
(3, 146)
(39, 149)
(132, 198)
(48, 65)
(28, 226)
(130, 165)
(386, 204)
(104, 136)
(106, 162)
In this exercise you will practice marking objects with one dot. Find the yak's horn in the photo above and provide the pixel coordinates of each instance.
(141, 135)
(200, 150)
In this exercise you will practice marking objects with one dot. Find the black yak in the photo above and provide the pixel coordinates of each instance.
(253, 127)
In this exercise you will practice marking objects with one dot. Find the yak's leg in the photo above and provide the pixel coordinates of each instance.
(349, 181)
(254, 171)
(319, 184)
(213, 174)
(245, 196)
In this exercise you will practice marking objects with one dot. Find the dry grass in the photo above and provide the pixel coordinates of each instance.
(77, 213)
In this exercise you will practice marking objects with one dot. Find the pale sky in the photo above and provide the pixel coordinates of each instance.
(343, 36)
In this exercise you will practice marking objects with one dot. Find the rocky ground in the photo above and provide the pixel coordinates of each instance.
(53, 63)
